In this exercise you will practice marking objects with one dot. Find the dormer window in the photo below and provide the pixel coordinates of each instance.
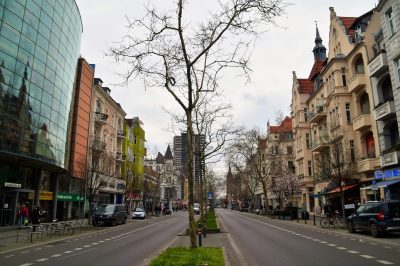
(358, 34)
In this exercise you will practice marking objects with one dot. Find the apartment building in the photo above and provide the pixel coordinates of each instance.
(106, 119)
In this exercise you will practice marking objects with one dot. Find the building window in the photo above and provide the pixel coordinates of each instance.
(348, 115)
(274, 150)
(291, 167)
(390, 21)
(305, 114)
(289, 150)
(134, 140)
(309, 168)
(308, 140)
(397, 65)
(352, 154)
(344, 76)
(134, 158)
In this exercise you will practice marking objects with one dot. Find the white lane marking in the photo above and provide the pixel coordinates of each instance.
(107, 239)
(332, 245)
(26, 251)
(323, 242)
(94, 243)
(44, 259)
(352, 239)
(9, 256)
(56, 255)
(353, 251)
(314, 239)
(49, 246)
(387, 247)
(373, 244)
(367, 256)
(86, 246)
(384, 262)
(77, 248)
(26, 264)
(68, 251)
(37, 248)
(101, 241)
(341, 248)
(76, 254)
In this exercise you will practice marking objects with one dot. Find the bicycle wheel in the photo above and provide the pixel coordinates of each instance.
(339, 222)
(324, 222)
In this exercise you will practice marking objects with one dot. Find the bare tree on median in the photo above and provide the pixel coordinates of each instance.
(166, 50)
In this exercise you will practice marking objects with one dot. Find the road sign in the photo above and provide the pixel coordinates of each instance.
(209, 195)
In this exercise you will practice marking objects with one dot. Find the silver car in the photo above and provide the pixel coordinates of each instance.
(138, 213)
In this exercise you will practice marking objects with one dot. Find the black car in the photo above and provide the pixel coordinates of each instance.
(110, 213)
(375, 217)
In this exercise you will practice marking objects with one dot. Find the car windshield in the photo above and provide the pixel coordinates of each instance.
(196, 205)
(138, 209)
(106, 208)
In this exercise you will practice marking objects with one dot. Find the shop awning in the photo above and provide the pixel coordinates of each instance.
(387, 183)
(344, 188)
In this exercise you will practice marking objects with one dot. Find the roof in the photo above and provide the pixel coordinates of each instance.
(285, 126)
(306, 86)
(160, 158)
(318, 65)
(168, 154)
(347, 23)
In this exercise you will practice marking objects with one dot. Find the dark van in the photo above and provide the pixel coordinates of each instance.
(376, 217)
(110, 214)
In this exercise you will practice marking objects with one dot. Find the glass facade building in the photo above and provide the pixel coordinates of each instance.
(39, 49)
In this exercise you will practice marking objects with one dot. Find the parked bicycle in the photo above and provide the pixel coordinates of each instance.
(334, 221)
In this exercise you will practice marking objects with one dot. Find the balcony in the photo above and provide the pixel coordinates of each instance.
(317, 116)
(120, 134)
(390, 158)
(385, 111)
(361, 122)
(321, 143)
(368, 164)
(119, 157)
(100, 118)
(306, 181)
(378, 65)
(98, 144)
(356, 83)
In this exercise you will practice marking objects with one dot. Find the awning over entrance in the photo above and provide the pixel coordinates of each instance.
(387, 183)
(338, 189)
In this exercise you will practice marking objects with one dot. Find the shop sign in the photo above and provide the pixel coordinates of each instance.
(349, 206)
(135, 196)
(15, 185)
(387, 174)
(61, 196)
(46, 195)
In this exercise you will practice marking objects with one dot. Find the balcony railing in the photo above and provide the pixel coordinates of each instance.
(98, 144)
(100, 118)
(120, 133)
(320, 143)
(317, 116)
(368, 164)
(378, 65)
(361, 122)
(356, 83)
(385, 111)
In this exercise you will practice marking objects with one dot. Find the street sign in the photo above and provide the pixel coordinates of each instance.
(8, 184)
(209, 195)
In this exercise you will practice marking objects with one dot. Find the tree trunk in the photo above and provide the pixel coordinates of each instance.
(192, 225)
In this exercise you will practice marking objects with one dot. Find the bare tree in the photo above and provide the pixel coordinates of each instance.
(187, 59)
(336, 164)
(98, 172)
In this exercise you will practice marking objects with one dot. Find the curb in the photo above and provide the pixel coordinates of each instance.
(226, 261)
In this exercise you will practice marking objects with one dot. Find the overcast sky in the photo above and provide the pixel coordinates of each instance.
(277, 53)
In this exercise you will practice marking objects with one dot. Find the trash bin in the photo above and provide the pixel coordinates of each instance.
(305, 215)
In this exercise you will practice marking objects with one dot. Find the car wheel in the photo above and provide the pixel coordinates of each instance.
(373, 229)
(124, 221)
(350, 227)
(114, 222)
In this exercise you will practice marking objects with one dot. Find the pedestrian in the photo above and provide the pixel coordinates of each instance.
(24, 215)
(19, 216)
(35, 217)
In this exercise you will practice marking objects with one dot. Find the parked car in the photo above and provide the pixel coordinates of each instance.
(196, 208)
(375, 217)
(244, 206)
(138, 213)
(110, 213)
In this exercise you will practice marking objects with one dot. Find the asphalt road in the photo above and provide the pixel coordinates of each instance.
(264, 241)
(131, 244)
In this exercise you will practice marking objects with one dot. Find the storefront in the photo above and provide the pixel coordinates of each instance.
(385, 186)
(72, 205)
(332, 199)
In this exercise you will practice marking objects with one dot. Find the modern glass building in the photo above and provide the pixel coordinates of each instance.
(39, 50)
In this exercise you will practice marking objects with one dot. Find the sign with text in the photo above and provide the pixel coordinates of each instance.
(46, 195)
(61, 196)
(209, 195)
(15, 185)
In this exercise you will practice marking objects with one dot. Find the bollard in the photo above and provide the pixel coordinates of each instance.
(297, 217)
(305, 218)
(314, 218)
(199, 233)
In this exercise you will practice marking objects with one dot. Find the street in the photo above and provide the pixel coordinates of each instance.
(264, 241)
(129, 244)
